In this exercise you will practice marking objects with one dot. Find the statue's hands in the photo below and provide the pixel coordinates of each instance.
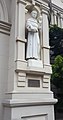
(32, 29)
(29, 28)
(35, 30)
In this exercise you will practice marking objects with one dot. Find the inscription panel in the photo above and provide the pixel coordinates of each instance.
(33, 83)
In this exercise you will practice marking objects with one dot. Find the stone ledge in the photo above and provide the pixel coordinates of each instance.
(20, 40)
(29, 95)
(20, 103)
(30, 92)
(45, 47)
(21, 65)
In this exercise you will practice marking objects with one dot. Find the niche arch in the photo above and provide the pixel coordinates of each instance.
(28, 9)
(3, 11)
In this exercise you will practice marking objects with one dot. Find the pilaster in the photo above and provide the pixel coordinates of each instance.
(61, 20)
(21, 29)
(45, 46)
(55, 17)
(20, 63)
(52, 17)
(21, 20)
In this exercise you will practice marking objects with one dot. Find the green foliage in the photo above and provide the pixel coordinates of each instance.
(56, 41)
(57, 76)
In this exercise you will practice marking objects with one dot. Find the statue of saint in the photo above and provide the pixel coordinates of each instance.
(33, 42)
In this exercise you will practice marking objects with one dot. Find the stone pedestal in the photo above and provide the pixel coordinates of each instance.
(35, 63)
(29, 106)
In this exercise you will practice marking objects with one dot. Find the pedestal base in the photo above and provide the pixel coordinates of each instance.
(29, 106)
(29, 112)
(35, 63)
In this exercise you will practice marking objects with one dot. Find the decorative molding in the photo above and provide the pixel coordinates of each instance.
(20, 40)
(21, 1)
(39, 2)
(45, 47)
(22, 103)
(21, 79)
(46, 79)
(21, 65)
(45, 8)
(56, 8)
(5, 27)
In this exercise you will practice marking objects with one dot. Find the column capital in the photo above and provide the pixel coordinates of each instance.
(44, 9)
(61, 15)
(55, 12)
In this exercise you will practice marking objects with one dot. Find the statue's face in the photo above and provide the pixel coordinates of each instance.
(34, 14)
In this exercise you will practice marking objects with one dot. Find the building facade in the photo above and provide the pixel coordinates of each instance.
(25, 83)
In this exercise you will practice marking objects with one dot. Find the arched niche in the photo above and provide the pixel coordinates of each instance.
(3, 11)
(29, 7)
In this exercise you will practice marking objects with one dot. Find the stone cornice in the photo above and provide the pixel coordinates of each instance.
(57, 8)
(45, 8)
(39, 1)
(5, 27)
(42, 4)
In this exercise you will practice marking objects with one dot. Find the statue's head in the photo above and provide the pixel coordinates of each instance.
(34, 14)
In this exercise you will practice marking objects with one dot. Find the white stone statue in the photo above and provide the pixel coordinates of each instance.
(33, 42)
